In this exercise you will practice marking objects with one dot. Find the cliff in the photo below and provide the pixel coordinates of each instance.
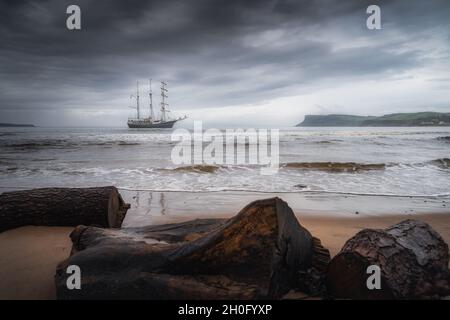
(389, 120)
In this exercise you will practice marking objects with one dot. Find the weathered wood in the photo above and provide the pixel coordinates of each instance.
(258, 253)
(177, 232)
(101, 206)
(313, 279)
(413, 259)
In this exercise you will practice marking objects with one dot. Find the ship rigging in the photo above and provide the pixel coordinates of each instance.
(152, 121)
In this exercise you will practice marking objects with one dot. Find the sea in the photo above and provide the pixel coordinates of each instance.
(407, 161)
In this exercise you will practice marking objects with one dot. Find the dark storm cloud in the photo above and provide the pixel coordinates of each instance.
(214, 53)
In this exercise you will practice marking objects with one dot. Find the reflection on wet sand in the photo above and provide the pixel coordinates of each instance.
(156, 207)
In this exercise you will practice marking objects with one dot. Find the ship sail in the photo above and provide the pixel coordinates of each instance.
(151, 121)
(150, 93)
(164, 105)
(137, 99)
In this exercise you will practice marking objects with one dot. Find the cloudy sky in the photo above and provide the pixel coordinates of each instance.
(227, 62)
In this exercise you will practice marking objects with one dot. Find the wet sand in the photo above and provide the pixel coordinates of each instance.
(29, 255)
(152, 207)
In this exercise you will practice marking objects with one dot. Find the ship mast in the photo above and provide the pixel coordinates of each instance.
(137, 99)
(152, 114)
(164, 105)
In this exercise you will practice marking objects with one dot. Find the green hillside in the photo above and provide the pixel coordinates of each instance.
(389, 120)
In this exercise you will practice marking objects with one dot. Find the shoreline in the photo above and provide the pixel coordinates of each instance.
(154, 207)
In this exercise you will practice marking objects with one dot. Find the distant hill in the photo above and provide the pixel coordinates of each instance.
(389, 120)
(15, 125)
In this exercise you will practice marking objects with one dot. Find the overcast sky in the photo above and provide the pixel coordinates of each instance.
(229, 62)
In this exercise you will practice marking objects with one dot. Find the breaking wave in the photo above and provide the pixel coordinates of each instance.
(444, 138)
(39, 144)
(199, 168)
(306, 191)
(443, 163)
(65, 144)
(335, 166)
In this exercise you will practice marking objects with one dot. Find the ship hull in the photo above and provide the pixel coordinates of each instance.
(150, 125)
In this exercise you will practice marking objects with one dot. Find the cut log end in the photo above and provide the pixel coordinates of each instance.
(312, 280)
(411, 256)
(117, 209)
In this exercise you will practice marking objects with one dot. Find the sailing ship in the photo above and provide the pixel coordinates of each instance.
(151, 121)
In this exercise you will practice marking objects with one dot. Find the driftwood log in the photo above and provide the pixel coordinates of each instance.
(102, 206)
(259, 253)
(412, 257)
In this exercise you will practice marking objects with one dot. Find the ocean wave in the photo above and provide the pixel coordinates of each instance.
(125, 143)
(38, 144)
(445, 195)
(335, 166)
(443, 163)
(107, 143)
(10, 165)
(65, 144)
(6, 161)
(42, 159)
(304, 191)
(52, 171)
(200, 168)
(444, 138)
(331, 141)
(24, 171)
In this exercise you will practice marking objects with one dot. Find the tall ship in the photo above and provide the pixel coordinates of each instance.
(152, 121)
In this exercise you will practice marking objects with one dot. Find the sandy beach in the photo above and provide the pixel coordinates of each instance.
(29, 255)
(334, 232)
(28, 259)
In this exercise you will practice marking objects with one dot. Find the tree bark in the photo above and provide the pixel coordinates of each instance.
(412, 257)
(102, 206)
(256, 254)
